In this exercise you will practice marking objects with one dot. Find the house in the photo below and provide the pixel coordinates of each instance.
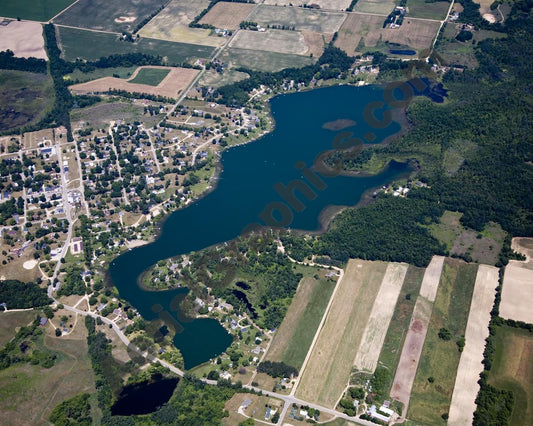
(246, 403)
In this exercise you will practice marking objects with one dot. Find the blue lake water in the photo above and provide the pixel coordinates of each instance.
(245, 189)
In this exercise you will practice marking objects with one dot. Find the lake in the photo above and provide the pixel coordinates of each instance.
(245, 194)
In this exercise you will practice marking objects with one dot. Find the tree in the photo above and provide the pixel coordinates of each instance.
(58, 332)
(445, 334)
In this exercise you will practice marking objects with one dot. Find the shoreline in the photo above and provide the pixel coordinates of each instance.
(329, 212)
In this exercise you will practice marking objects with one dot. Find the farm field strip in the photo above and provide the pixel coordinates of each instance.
(24, 39)
(470, 365)
(338, 5)
(430, 283)
(517, 291)
(288, 327)
(330, 363)
(512, 369)
(380, 317)
(416, 335)
(435, 378)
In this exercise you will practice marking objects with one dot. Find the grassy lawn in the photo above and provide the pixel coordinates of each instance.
(512, 369)
(440, 358)
(21, 107)
(92, 46)
(37, 10)
(11, 321)
(150, 76)
(392, 346)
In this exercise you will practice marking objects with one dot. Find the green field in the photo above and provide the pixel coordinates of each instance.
(24, 99)
(92, 46)
(104, 14)
(392, 345)
(440, 358)
(263, 61)
(512, 369)
(37, 10)
(120, 72)
(305, 330)
(428, 10)
(150, 76)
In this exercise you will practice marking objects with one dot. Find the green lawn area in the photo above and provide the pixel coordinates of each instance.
(36, 10)
(150, 76)
(392, 346)
(306, 329)
(440, 358)
(512, 369)
(92, 46)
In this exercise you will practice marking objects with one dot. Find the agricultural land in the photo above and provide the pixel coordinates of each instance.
(292, 341)
(430, 398)
(328, 369)
(517, 292)
(228, 16)
(172, 24)
(24, 39)
(466, 387)
(105, 15)
(512, 369)
(40, 10)
(171, 86)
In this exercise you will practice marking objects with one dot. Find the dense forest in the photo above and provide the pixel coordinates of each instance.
(19, 295)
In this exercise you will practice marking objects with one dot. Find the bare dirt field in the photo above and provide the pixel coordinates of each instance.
(378, 323)
(291, 42)
(299, 18)
(466, 387)
(517, 291)
(323, 4)
(316, 42)
(329, 366)
(362, 30)
(414, 341)
(24, 39)
(227, 15)
(412, 348)
(171, 86)
(172, 24)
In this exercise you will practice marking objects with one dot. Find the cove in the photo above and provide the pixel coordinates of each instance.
(244, 189)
